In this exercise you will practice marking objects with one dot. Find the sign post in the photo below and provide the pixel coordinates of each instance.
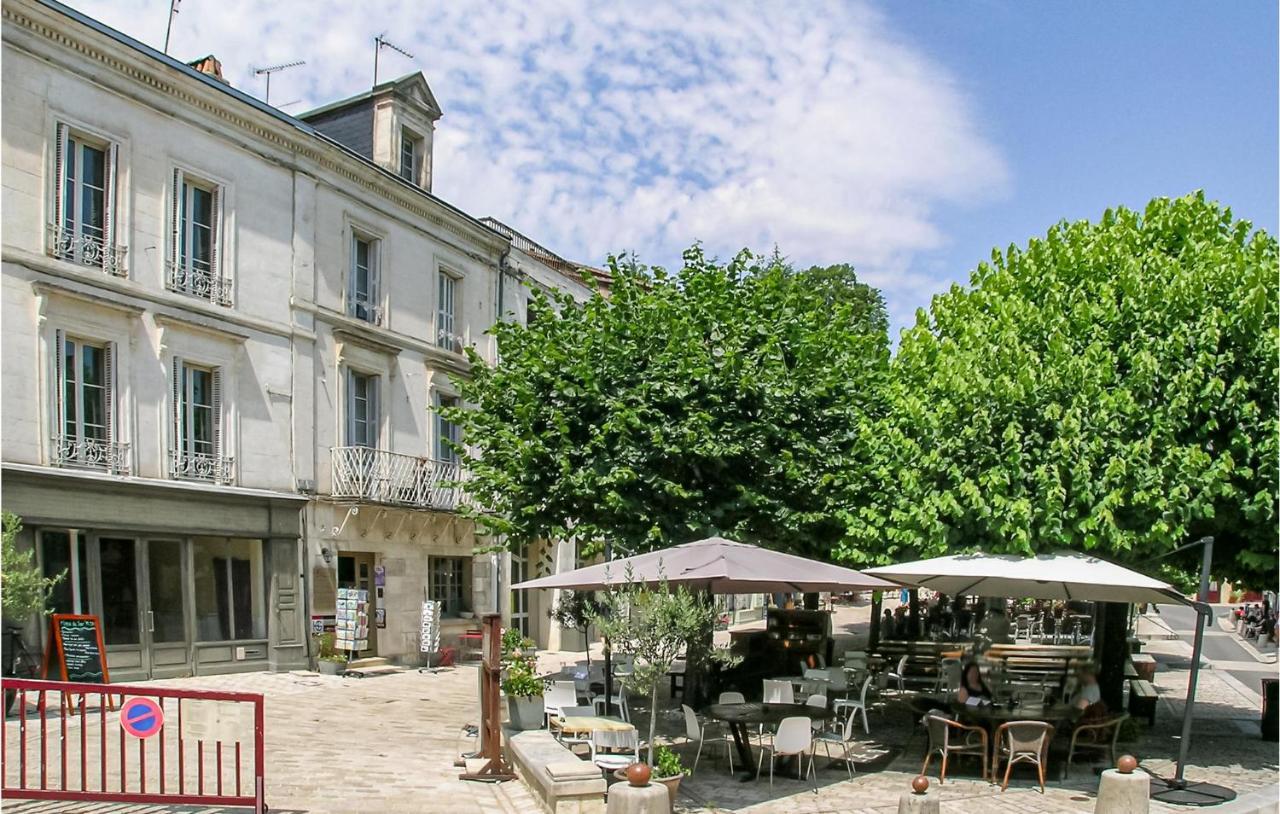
(495, 767)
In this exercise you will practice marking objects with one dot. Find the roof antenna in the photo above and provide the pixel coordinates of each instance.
(173, 12)
(381, 42)
(275, 69)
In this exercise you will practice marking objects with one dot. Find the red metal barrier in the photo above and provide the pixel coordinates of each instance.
(54, 762)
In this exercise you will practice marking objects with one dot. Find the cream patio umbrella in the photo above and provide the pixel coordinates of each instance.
(718, 565)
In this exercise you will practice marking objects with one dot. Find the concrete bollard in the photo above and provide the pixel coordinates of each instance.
(919, 800)
(627, 799)
(1121, 791)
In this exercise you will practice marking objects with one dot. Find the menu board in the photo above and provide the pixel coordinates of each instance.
(351, 628)
(75, 643)
(429, 641)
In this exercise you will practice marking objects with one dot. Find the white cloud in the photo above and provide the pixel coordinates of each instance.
(598, 128)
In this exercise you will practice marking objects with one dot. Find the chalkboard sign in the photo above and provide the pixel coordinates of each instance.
(75, 641)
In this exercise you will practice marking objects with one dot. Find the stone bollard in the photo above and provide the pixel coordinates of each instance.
(919, 800)
(627, 799)
(1121, 791)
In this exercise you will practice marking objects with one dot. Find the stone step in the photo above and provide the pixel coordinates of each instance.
(371, 661)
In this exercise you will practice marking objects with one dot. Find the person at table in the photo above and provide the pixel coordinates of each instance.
(1088, 698)
(996, 627)
(973, 690)
(888, 630)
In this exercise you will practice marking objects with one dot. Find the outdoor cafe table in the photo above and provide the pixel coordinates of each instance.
(739, 716)
(586, 724)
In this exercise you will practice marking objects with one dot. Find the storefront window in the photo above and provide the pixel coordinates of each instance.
(57, 550)
(229, 589)
(446, 584)
(117, 558)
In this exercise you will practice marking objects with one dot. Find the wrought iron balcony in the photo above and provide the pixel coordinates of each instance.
(206, 284)
(378, 476)
(185, 465)
(91, 453)
(86, 250)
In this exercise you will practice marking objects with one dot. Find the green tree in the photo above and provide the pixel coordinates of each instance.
(1109, 388)
(725, 398)
(840, 284)
(23, 589)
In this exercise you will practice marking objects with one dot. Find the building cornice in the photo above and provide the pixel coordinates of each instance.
(178, 87)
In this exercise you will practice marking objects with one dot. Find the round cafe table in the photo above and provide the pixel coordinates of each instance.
(740, 716)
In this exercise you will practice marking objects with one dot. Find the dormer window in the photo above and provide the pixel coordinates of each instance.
(410, 155)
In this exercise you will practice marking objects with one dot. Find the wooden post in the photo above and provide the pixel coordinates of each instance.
(495, 767)
(913, 615)
(873, 640)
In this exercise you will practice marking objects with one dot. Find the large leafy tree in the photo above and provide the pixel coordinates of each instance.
(727, 398)
(1111, 387)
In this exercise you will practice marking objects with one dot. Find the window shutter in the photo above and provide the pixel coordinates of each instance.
(349, 401)
(375, 281)
(109, 209)
(375, 411)
(218, 435)
(60, 177)
(352, 309)
(218, 286)
(59, 383)
(179, 392)
(175, 228)
(109, 392)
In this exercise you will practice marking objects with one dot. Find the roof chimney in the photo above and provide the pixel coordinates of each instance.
(211, 66)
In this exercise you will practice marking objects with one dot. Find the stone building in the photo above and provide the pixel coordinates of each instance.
(227, 334)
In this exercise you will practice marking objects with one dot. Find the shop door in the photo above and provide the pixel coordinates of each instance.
(355, 570)
(118, 586)
(165, 632)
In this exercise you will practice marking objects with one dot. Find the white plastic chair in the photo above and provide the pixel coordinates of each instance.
(561, 694)
(819, 702)
(899, 674)
(793, 739)
(624, 746)
(732, 698)
(857, 705)
(842, 738)
(619, 700)
(778, 692)
(695, 730)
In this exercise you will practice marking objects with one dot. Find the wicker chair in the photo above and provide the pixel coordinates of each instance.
(1097, 736)
(948, 737)
(1022, 742)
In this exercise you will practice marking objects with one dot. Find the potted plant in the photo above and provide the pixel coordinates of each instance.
(523, 689)
(654, 625)
(24, 592)
(329, 661)
(668, 770)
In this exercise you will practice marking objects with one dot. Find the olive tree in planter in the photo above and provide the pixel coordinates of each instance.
(575, 610)
(654, 625)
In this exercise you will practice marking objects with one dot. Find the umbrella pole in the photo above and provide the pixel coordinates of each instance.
(1202, 614)
(608, 656)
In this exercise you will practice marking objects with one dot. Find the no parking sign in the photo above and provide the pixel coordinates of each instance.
(141, 717)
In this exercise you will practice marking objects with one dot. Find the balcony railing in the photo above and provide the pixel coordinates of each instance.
(378, 476)
(90, 453)
(206, 284)
(86, 250)
(185, 465)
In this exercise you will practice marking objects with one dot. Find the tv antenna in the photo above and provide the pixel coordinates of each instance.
(168, 29)
(276, 69)
(381, 42)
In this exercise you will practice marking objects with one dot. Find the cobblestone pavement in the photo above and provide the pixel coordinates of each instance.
(388, 743)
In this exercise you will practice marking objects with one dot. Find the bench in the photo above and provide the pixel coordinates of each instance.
(1142, 700)
(564, 783)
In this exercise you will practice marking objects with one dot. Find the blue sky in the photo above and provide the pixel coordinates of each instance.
(1096, 104)
(909, 138)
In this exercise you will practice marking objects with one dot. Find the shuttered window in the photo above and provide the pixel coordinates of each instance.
(446, 431)
(362, 292)
(362, 410)
(198, 422)
(446, 336)
(195, 238)
(84, 214)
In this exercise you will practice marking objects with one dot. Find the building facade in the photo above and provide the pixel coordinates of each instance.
(228, 334)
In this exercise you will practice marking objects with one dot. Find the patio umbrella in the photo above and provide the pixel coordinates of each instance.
(719, 565)
(1069, 575)
(1065, 575)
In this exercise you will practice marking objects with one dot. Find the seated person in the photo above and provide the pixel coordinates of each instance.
(888, 630)
(973, 690)
(1088, 698)
(996, 627)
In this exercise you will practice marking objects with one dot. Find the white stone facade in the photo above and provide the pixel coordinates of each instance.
(262, 310)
